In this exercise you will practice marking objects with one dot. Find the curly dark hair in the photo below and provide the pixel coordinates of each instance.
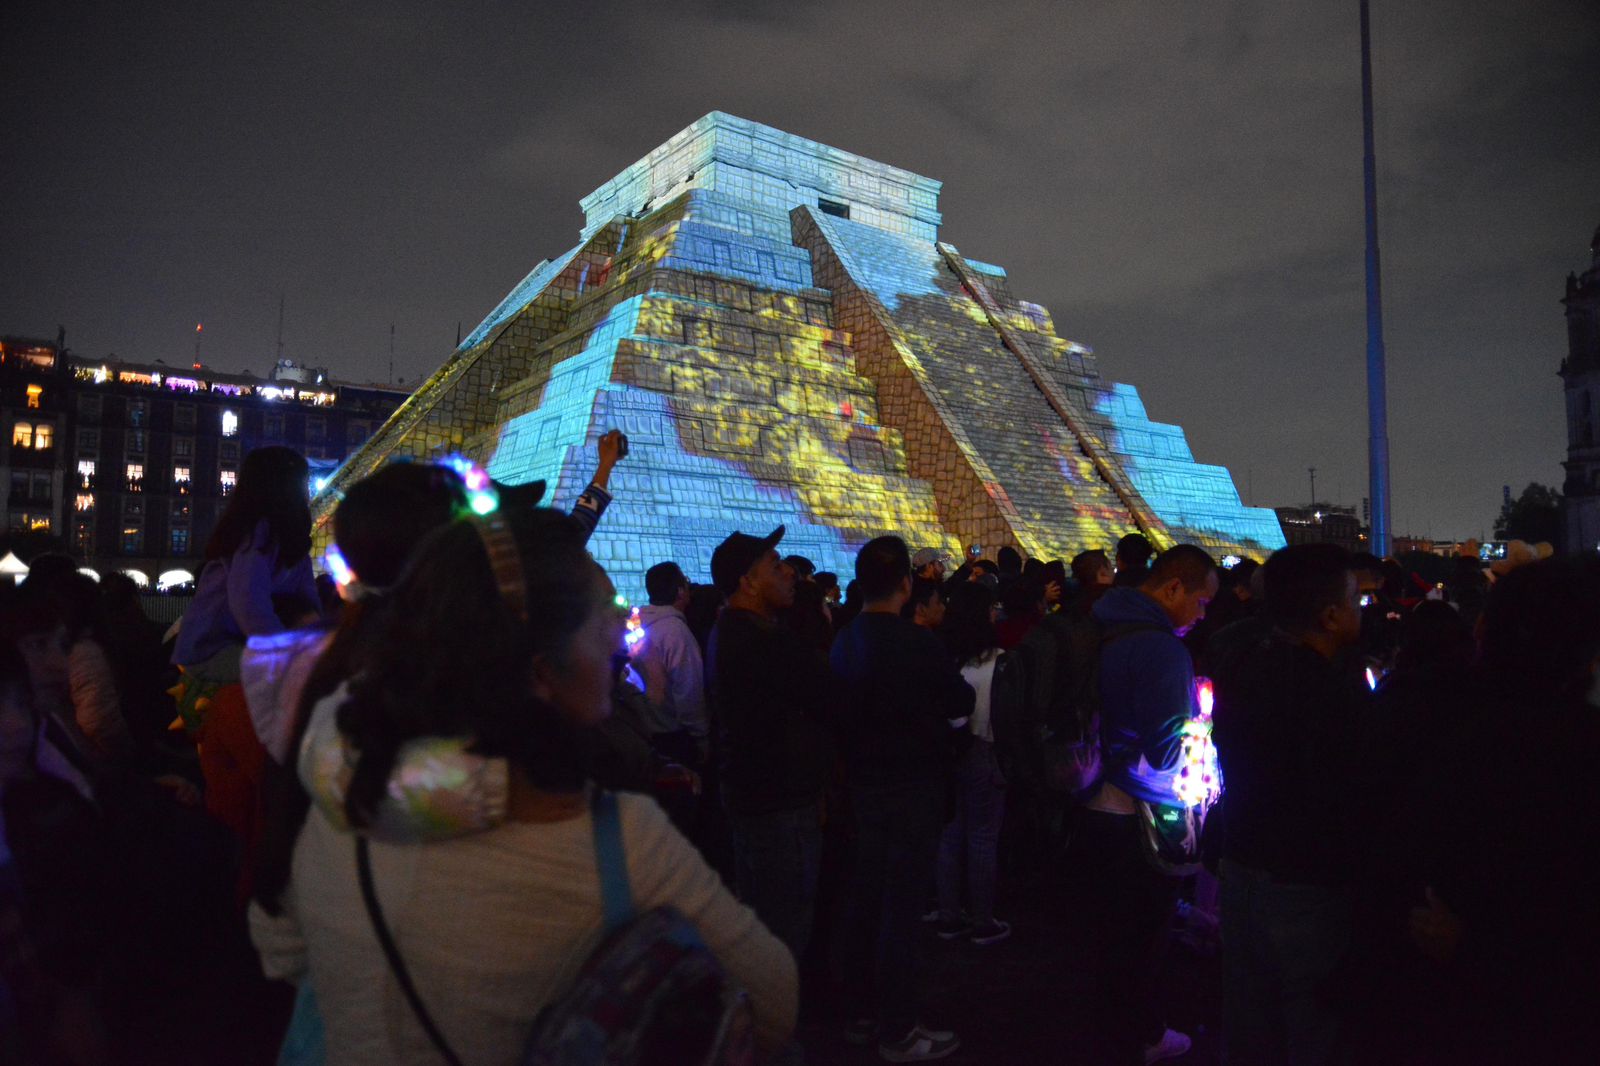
(449, 657)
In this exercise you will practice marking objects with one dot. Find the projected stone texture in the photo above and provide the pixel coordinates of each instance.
(774, 361)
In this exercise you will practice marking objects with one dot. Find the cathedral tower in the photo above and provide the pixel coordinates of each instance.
(1580, 372)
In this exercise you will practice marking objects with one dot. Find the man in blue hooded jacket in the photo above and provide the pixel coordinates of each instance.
(1147, 692)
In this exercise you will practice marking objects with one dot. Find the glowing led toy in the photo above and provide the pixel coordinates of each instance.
(633, 635)
(1199, 781)
(1372, 679)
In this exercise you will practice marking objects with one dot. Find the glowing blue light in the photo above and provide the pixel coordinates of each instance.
(337, 568)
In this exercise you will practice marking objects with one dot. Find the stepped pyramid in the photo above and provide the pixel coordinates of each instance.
(784, 338)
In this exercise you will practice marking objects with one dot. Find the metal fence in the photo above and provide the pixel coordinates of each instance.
(163, 607)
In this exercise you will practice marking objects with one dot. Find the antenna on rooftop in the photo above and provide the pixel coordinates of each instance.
(280, 327)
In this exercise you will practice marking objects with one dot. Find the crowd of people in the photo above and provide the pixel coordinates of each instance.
(472, 808)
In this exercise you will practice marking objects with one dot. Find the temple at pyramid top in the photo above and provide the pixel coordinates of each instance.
(783, 336)
(772, 171)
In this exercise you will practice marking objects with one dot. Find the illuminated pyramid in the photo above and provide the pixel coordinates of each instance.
(778, 329)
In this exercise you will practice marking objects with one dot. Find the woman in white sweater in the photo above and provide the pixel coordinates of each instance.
(499, 641)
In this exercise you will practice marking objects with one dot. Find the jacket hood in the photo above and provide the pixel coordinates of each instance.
(1121, 605)
(437, 790)
(654, 612)
(274, 670)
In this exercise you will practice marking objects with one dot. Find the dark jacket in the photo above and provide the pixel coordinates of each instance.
(1146, 695)
(899, 693)
(768, 690)
(1291, 732)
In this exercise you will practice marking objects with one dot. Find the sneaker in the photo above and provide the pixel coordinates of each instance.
(859, 1032)
(919, 1045)
(991, 932)
(1170, 1046)
(952, 928)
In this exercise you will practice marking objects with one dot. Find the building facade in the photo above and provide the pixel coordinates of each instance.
(127, 466)
(1580, 375)
(1323, 523)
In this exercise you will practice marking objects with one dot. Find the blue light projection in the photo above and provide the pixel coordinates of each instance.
(1197, 499)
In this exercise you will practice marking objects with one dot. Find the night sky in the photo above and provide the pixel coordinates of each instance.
(1179, 183)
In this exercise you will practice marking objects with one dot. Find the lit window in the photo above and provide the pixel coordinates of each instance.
(34, 392)
(44, 436)
(86, 473)
(135, 477)
(180, 541)
(39, 523)
(84, 502)
(230, 480)
(132, 540)
(230, 424)
(22, 435)
(180, 478)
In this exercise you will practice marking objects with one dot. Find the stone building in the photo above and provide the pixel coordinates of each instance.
(127, 466)
(783, 336)
(1580, 374)
(1324, 523)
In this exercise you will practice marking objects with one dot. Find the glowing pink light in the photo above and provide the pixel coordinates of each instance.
(1205, 695)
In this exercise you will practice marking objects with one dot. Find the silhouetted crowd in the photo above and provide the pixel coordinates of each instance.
(458, 802)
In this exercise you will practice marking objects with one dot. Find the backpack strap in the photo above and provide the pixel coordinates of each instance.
(616, 894)
(397, 965)
(1113, 633)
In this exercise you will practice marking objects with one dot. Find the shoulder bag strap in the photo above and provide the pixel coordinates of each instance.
(397, 965)
(616, 894)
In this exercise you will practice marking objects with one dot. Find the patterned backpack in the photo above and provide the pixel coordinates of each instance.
(652, 993)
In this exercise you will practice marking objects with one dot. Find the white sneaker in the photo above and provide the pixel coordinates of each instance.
(1170, 1046)
(919, 1045)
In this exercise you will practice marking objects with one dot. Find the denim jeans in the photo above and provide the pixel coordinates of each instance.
(1131, 907)
(776, 859)
(1283, 948)
(897, 840)
(971, 839)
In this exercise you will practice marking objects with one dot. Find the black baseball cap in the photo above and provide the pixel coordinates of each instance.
(735, 556)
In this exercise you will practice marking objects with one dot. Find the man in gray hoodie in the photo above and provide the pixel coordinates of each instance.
(668, 658)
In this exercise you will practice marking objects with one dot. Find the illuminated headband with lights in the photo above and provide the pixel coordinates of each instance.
(483, 501)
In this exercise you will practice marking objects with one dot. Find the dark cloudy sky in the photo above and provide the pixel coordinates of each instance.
(1180, 183)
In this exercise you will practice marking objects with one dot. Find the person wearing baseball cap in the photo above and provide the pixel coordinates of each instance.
(768, 690)
(930, 563)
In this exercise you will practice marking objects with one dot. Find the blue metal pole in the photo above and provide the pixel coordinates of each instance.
(1377, 397)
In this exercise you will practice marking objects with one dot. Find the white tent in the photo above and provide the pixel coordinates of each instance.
(140, 578)
(13, 568)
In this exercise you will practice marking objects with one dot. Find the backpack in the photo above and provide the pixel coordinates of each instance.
(651, 994)
(1054, 744)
